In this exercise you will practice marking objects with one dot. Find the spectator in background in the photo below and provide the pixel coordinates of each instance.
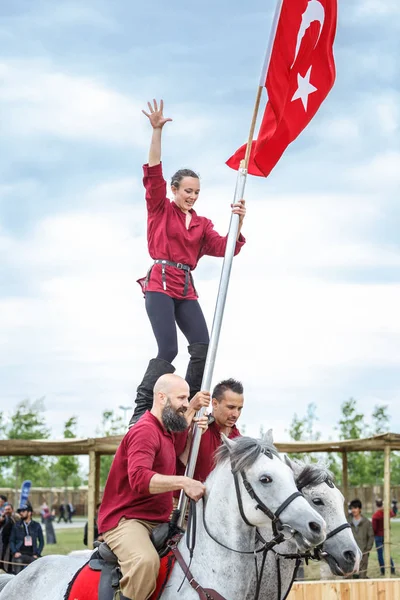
(47, 520)
(394, 507)
(96, 531)
(377, 524)
(70, 512)
(26, 540)
(3, 500)
(61, 513)
(8, 520)
(363, 534)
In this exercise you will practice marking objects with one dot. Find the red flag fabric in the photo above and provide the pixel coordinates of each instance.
(300, 75)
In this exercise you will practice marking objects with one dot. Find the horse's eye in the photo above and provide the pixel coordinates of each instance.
(264, 479)
(318, 502)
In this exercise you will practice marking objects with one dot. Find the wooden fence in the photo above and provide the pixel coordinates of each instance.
(361, 589)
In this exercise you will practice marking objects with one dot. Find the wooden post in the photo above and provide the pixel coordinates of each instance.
(386, 509)
(97, 488)
(91, 497)
(345, 478)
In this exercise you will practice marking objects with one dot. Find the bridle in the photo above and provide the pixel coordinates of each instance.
(318, 554)
(260, 505)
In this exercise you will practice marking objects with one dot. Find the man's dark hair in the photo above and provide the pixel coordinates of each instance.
(356, 503)
(3, 497)
(227, 384)
(378, 503)
(179, 175)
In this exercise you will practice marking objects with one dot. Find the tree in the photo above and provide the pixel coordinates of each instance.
(302, 429)
(26, 423)
(380, 424)
(111, 424)
(67, 467)
(352, 427)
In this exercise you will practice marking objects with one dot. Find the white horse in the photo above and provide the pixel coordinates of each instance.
(226, 528)
(339, 549)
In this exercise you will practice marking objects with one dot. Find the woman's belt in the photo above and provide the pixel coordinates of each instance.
(168, 263)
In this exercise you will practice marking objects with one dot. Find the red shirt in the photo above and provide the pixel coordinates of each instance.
(377, 522)
(210, 442)
(169, 239)
(147, 449)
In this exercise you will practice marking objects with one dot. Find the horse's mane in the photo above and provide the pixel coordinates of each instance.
(243, 452)
(313, 474)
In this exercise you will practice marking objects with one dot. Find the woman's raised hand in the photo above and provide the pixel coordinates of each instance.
(155, 115)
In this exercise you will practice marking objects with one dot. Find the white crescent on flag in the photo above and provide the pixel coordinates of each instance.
(314, 12)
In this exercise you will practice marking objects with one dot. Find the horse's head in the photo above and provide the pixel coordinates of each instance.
(339, 549)
(266, 489)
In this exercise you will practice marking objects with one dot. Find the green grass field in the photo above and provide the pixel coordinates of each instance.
(72, 539)
(67, 540)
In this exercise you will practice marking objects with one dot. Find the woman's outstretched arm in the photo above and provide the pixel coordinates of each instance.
(157, 121)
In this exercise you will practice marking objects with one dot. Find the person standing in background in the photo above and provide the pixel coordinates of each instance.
(363, 534)
(26, 540)
(8, 520)
(378, 527)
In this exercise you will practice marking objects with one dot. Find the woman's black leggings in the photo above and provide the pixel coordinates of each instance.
(165, 313)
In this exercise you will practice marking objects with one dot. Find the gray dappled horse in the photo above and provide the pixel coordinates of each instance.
(339, 550)
(227, 518)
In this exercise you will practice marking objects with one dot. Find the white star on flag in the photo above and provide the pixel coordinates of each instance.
(305, 88)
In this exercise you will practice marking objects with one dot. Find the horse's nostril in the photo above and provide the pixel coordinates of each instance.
(349, 556)
(315, 528)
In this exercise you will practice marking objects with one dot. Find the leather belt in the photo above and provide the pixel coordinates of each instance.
(169, 263)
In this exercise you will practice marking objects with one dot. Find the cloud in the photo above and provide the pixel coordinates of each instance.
(43, 101)
(383, 170)
(373, 9)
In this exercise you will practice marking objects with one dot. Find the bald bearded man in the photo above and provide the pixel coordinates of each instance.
(141, 482)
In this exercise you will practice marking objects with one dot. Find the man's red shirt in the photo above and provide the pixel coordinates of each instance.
(377, 522)
(169, 239)
(210, 442)
(148, 448)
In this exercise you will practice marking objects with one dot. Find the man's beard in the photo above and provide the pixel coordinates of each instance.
(173, 420)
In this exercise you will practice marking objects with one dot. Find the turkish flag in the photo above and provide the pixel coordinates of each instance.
(300, 75)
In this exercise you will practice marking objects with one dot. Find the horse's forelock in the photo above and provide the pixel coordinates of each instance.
(243, 452)
(313, 474)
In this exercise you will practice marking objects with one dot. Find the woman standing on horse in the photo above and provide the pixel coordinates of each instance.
(177, 238)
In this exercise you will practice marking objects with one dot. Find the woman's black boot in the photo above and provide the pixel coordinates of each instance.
(144, 396)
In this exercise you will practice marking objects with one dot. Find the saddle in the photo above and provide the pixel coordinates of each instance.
(105, 562)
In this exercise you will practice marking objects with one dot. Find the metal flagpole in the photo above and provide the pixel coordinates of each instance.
(226, 269)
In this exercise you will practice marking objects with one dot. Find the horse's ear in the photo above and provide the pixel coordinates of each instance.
(294, 465)
(268, 437)
(227, 442)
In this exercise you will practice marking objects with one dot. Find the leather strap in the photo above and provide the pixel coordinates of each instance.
(204, 593)
(169, 263)
(337, 530)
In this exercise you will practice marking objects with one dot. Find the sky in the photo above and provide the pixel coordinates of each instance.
(313, 308)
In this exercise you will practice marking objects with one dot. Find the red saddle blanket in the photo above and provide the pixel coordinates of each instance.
(86, 582)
